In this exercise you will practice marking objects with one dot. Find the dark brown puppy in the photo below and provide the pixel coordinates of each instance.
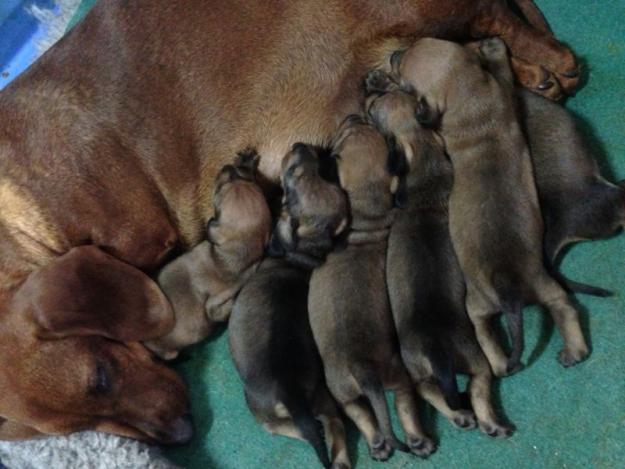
(496, 225)
(425, 282)
(201, 284)
(577, 202)
(314, 208)
(274, 351)
(348, 302)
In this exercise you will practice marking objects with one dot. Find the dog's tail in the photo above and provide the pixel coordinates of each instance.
(444, 372)
(531, 13)
(304, 420)
(572, 286)
(374, 391)
(513, 311)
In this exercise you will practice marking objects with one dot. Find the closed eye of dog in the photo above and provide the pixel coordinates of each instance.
(101, 382)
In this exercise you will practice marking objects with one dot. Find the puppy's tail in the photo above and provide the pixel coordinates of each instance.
(513, 311)
(572, 286)
(310, 428)
(374, 391)
(443, 371)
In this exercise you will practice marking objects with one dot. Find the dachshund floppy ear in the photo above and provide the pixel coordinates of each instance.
(88, 292)
(13, 431)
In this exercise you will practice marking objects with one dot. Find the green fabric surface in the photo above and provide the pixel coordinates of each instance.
(564, 418)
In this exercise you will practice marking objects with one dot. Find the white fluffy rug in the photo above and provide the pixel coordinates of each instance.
(88, 450)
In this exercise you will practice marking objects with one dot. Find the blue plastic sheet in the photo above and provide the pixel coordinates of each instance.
(19, 31)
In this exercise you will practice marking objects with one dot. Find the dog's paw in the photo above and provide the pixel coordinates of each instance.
(513, 368)
(496, 430)
(378, 81)
(568, 358)
(380, 450)
(422, 447)
(340, 465)
(464, 419)
(493, 48)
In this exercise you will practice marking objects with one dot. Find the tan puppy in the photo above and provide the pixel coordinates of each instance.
(202, 283)
(425, 282)
(348, 303)
(495, 219)
(314, 208)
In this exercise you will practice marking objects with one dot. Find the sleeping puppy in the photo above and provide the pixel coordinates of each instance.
(274, 351)
(425, 282)
(314, 209)
(348, 302)
(495, 219)
(576, 201)
(202, 283)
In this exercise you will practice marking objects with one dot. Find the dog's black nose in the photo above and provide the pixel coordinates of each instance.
(180, 431)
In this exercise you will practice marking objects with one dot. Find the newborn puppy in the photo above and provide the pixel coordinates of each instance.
(495, 219)
(202, 283)
(425, 282)
(576, 201)
(274, 351)
(314, 210)
(348, 302)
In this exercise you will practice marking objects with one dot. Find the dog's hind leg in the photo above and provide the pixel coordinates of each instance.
(480, 312)
(407, 411)
(481, 400)
(554, 299)
(333, 428)
(363, 418)
(461, 418)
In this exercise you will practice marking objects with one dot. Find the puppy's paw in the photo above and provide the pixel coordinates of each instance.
(380, 450)
(464, 419)
(496, 430)
(378, 81)
(568, 358)
(493, 48)
(340, 465)
(512, 368)
(421, 447)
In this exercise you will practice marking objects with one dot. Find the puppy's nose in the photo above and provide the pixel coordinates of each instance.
(180, 431)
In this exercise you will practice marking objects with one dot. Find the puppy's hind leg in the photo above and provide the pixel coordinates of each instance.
(334, 429)
(480, 394)
(406, 406)
(363, 418)
(461, 418)
(555, 300)
(480, 312)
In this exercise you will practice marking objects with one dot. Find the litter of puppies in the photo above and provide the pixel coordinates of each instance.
(446, 202)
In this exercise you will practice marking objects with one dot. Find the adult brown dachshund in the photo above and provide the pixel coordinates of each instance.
(107, 149)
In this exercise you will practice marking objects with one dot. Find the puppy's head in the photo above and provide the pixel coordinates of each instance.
(363, 168)
(72, 360)
(430, 65)
(242, 219)
(314, 208)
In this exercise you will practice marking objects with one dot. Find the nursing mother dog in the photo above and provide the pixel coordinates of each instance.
(108, 148)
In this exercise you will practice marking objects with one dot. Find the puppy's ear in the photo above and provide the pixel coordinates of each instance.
(13, 431)
(88, 292)
(425, 115)
(397, 166)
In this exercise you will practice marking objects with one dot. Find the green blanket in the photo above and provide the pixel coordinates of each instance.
(564, 418)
